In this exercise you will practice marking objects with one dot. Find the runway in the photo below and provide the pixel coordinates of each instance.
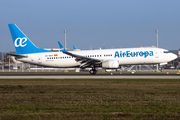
(91, 77)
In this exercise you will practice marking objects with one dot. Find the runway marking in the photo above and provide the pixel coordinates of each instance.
(94, 77)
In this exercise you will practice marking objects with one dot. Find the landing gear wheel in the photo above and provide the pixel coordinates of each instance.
(93, 71)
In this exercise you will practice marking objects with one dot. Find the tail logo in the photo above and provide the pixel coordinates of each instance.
(20, 42)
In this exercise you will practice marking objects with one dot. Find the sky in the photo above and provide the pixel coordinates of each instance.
(92, 24)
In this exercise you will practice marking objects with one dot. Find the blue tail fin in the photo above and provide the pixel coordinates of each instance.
(62, 48)
(22, 43)
(74, 47)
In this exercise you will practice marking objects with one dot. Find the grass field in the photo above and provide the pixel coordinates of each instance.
(89, 99)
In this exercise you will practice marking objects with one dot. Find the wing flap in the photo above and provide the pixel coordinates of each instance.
(85, 61)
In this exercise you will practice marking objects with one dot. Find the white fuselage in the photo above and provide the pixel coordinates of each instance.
(125, 56)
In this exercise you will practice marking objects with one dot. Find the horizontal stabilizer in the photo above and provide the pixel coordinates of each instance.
(17, 56)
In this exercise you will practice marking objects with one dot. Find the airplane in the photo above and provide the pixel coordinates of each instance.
(105, 58)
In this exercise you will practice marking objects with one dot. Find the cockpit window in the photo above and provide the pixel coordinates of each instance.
(166, 51)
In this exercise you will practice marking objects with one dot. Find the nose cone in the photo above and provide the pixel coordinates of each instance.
(173, 56)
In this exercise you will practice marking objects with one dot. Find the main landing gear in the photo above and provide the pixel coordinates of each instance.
(93, 71)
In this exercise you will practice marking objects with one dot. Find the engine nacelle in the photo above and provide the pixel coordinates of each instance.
(113, 64)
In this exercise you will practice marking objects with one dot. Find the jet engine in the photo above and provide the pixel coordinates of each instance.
(113, 64)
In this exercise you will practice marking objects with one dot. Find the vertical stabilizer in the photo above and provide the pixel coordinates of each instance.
(22, 43)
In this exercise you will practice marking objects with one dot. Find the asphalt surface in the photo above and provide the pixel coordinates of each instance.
(91, 76)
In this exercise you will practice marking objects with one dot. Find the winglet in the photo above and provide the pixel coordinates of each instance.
(74, 47)
(62, 48)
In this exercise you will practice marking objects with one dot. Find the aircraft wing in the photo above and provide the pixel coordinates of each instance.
(85, 61)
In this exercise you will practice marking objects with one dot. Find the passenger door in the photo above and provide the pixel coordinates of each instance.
(157, 54)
